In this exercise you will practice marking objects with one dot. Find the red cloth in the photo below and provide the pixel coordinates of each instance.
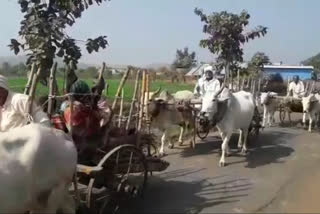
(85, 119)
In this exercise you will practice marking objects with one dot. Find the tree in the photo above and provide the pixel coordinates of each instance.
(184, 59)
(226, 35)
(313, 61)
(6, 67)
(44, 36)
(256, 63)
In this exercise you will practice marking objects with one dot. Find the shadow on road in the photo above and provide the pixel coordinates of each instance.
(171, 196)
(271, 146)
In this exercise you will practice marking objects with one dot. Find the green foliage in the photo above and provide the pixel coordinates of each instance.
(184, 59)
(13, 70)
(313, 61)
(226, 34)
(256, 63)
(43, 32)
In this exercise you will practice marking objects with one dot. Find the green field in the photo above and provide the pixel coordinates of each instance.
(18, 85)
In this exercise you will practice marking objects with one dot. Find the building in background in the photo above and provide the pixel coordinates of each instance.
(288, 71)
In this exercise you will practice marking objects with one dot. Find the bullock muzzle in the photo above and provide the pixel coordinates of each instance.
(204, 120)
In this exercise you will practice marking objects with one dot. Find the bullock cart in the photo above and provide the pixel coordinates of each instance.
(112, 168)
(289, 105)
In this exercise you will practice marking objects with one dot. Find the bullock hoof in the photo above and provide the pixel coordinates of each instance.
(309, 131)
(192, 145)
(244, 151)
(170, 146)
(222, 164)
(181, 143)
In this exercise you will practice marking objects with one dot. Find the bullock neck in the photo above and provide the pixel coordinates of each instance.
(222, 109)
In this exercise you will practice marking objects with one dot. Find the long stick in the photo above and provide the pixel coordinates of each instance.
(243, 81)
(33, 70)
(134, 99)
(143, 89)
(122, 82)
(51, 88)
(33, 90)
(259, 85)
(121, 108)
(147, 92)
(238, 73)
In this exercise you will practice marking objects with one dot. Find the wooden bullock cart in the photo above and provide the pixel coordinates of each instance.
(108, 173)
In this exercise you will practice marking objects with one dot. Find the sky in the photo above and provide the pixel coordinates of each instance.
(143, 32)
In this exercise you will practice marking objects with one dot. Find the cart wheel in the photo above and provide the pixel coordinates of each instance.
(124, 176)
(282, 114)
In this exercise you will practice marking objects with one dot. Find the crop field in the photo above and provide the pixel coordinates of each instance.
(18, 85)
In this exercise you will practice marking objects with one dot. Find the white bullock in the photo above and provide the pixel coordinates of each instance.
(37, 165)
(229, 112)
(166, 114)
(270, 105)
(311, 107)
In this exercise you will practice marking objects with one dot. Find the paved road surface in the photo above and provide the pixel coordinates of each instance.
(278, 175)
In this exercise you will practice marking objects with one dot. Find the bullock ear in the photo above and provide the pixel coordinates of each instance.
(224, 99)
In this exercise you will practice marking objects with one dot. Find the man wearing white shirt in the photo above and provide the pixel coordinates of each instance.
(210, 84)
(14, 109)
(296, 87)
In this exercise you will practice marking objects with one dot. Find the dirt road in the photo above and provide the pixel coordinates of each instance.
(280, 174)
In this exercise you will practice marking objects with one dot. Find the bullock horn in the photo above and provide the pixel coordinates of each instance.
(157, 91)
(220, 90)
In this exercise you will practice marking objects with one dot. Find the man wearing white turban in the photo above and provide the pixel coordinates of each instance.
(13, 109)
(211, 83)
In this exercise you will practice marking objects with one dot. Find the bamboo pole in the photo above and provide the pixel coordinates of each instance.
(121, 108)
(259, 85)
(30, 79)
(147, 93)
(254, 88)
(134, 99)
(238, 73)
(243, 81)
(101, 71)
(33, 90)
(142, 98)
(122, 82)
(51, 88)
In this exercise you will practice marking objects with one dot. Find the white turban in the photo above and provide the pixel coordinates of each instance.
(4, 82)
(209, 68)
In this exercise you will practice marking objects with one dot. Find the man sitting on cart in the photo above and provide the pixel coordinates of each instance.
(211, 84)
(296, 88)
(89, 114)
(14, 109)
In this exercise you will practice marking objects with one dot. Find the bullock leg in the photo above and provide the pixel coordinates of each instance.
(269, 119)
(245, 138)
(264, 116)
(224, 148)
(304, 115)
(181, 135)
(163, 140)
(310, 121)
(240, 139)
